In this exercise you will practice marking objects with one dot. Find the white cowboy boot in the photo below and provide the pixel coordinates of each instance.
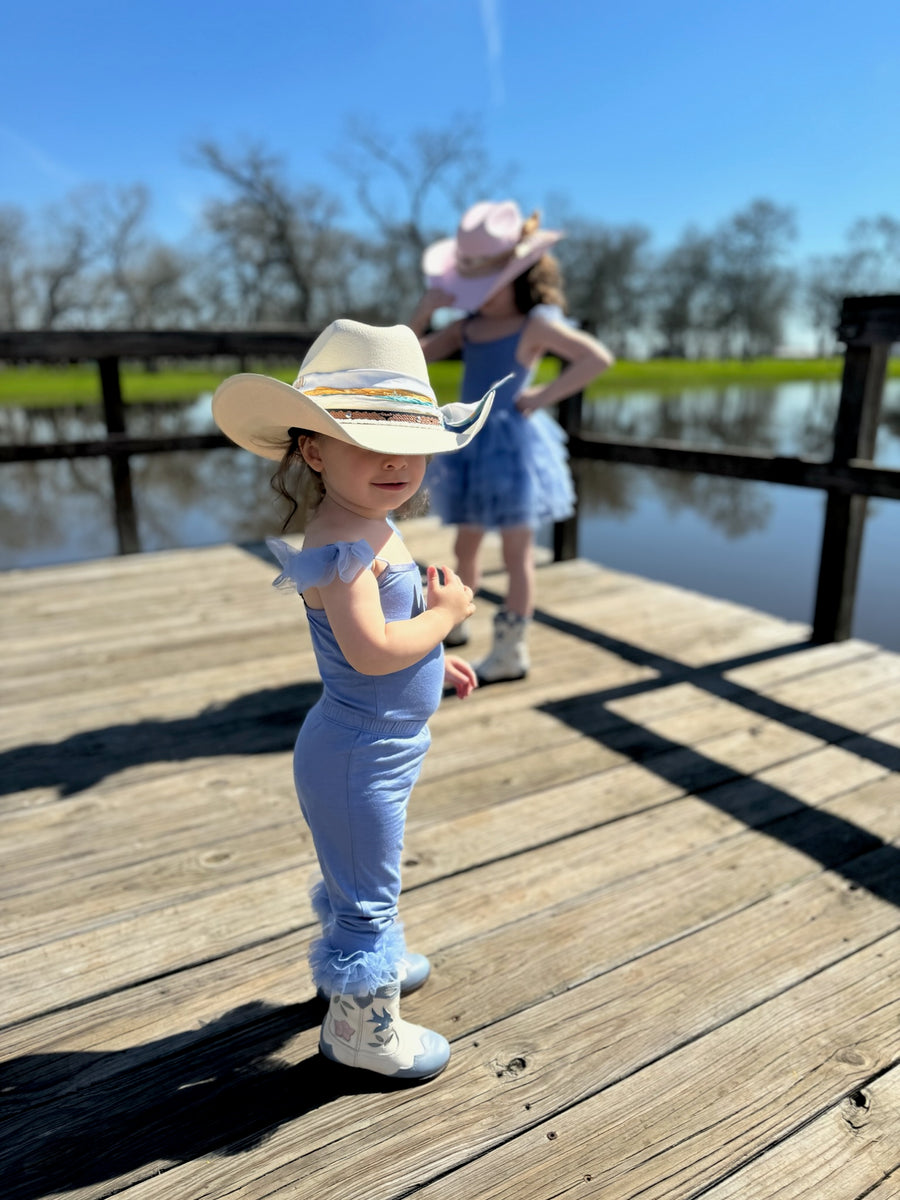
(508, 658)
(458, 635)
(412, 971)
(368, 1032)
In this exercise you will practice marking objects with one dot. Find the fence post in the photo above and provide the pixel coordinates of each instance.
(119, 465)
(565, 533)
(855, 430)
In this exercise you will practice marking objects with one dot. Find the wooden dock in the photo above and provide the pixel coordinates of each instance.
(659, 882)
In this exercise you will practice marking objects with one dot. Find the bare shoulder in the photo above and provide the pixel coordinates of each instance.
(548, 332)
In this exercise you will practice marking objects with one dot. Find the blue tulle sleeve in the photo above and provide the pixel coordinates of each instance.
(302, 569)
(552, 312)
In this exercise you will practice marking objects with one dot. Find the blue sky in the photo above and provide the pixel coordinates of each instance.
(652, 112)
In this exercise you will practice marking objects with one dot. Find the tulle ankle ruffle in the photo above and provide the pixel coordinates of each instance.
(357, 973)
(361, 972)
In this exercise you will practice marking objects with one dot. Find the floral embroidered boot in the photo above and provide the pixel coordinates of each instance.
(509, 657)
(412, 971)
(368, 1032)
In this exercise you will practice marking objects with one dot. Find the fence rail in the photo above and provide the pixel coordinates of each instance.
(868, 326)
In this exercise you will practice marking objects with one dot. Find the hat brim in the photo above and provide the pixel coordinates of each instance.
(440, 267)
(256, 411)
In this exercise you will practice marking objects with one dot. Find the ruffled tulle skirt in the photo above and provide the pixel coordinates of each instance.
(514, 472)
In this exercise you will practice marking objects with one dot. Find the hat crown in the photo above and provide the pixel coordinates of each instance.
(347, 345)
(489, 228)
(358, 383)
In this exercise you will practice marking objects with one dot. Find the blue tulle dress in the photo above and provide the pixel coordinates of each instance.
(516, 471)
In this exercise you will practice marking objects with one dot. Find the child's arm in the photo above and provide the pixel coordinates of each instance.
(374, 646)
(584, 356)
(443, 342)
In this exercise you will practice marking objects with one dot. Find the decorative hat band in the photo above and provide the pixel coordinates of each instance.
(383, 414)
(368, 387)
(473, 265)
(374, 396)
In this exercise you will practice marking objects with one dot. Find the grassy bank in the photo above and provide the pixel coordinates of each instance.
(45, 387)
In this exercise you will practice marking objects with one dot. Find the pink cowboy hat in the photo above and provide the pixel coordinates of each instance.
(493, 245)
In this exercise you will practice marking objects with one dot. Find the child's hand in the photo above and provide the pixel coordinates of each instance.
(528, 400)
(459, 675)
(436, 298)
(448, 592)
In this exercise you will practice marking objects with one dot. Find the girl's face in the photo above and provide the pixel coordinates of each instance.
(501, 304)
(365, 482)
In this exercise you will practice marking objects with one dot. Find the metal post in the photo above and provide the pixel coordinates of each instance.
(119, 465)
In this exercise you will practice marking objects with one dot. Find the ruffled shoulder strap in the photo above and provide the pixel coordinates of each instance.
(302, 569)
(551, 312)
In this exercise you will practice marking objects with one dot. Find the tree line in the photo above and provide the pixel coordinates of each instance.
(270, 252)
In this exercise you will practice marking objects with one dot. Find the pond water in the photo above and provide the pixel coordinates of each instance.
(751, 542)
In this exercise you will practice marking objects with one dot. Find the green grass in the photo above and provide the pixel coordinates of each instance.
(47, 387)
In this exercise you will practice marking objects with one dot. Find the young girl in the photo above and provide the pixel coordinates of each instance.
(361, 419)
(516, 476)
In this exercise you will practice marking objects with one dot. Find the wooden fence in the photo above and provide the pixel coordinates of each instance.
(868, 326)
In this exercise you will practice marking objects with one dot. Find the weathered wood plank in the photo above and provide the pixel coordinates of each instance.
(845, 1153)
(586, 852)
(581, 1067)
(171, 937)
(694, 1115)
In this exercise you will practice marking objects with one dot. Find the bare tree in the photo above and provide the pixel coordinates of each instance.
(681, 294)
(15, 269)
(276, 249)
(71, 241)
(606, 276)
(751, 286)
(869, 265)
(141, 282)
(413, 191)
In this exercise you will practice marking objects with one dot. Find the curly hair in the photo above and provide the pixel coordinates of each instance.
(294, 479)
(303, 489)
(540, 284)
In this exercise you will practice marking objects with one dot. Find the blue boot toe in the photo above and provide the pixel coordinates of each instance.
(432, 1059)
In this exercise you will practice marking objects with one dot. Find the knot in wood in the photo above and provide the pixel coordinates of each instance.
(514, 1067)
(855, 1109)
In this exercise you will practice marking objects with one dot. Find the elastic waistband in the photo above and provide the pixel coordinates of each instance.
(359, 721)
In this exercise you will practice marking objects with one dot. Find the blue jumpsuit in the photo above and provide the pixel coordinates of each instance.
(357, 756)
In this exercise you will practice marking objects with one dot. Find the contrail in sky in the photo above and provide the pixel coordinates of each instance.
(490, 23)
(46, 165)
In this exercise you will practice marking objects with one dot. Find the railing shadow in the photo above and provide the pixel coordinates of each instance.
(76, 1120)
(830, 839)
(262, 722)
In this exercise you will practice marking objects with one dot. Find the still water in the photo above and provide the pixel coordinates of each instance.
(751, 542)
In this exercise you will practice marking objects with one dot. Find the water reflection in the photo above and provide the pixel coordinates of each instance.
(752, 542)
(755, 543)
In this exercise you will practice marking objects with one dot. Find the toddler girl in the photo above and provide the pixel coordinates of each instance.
(516, 476)
(361, 419)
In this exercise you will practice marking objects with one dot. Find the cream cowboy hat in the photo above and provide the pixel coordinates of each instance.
(358, 383)
(493, 245)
